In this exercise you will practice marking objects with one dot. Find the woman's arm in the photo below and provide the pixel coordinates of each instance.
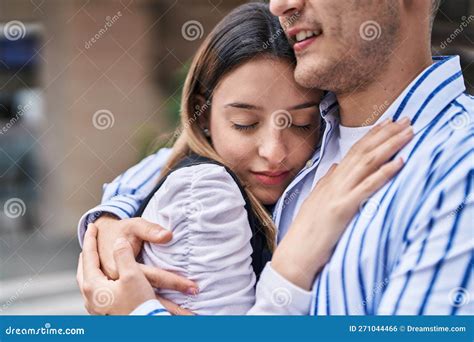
(205, 211)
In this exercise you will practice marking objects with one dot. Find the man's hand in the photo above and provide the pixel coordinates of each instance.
(135, 231)
(336, 199)
(111, 297)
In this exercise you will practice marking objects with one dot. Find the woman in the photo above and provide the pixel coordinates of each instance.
(248, 129)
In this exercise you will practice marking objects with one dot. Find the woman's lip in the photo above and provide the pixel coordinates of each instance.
(271, 178)
(298, 47)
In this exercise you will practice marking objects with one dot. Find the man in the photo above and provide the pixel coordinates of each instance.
(409, 250)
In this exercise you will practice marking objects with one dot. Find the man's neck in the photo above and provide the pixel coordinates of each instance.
(364, 107)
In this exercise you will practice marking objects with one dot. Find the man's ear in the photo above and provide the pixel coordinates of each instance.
(201, 111)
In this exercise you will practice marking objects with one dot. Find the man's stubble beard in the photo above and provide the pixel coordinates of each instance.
(355, 67)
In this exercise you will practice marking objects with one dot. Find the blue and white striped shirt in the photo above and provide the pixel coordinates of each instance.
(410, 249)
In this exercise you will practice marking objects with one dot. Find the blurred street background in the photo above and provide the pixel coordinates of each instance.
(87, 89)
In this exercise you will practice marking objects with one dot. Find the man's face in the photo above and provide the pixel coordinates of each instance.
(341, 45)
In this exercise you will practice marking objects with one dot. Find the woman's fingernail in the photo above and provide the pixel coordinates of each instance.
(193, 291)
(385, 122)
(160, 234)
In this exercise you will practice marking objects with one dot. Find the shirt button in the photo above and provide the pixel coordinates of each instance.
(309, 163)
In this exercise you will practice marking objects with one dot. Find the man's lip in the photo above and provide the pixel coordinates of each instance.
(300, 46)
(292, 32)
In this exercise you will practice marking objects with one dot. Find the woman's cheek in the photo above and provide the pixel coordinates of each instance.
(303, 150)
(234, 148)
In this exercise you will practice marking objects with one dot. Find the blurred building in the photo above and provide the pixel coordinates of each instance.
(104, 73)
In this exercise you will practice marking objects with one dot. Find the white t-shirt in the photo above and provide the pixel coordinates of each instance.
(346, 138)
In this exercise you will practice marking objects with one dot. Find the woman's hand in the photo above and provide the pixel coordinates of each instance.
(111, 297)
(336, 199)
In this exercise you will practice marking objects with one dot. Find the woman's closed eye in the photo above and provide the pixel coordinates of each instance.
(247, 127)
(302, 127)
(241, 127)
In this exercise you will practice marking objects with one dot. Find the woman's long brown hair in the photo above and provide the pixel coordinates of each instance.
(249, 31)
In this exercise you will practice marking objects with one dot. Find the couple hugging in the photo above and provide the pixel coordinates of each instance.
(286, 193)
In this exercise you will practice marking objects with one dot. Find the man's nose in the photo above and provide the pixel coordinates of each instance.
(283, 8)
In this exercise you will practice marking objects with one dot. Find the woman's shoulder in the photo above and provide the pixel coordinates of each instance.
(201, 198)
(202, 177)
(206, 187)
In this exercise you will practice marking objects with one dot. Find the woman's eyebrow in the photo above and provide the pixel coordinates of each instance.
(248, 106)
(242, 105)
(304, 105)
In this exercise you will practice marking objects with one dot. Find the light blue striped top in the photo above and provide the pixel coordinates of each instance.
(410, 249)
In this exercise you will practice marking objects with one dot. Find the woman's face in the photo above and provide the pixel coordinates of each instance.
(264, 125)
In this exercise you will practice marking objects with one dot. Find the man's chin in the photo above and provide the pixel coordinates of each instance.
(305, 72)
(314, 71)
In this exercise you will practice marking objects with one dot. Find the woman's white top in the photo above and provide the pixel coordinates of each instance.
(204, 208)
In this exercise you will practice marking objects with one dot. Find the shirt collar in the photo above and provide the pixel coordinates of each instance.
(426, 96)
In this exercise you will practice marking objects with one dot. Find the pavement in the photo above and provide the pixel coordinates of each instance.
(38, 274)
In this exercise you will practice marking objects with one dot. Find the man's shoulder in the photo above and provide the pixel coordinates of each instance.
(452, 134)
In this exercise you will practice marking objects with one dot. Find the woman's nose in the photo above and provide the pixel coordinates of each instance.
(273, 148)
(282, 8)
